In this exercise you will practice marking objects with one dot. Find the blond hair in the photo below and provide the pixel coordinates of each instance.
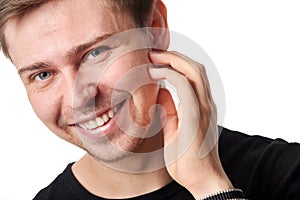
(138, 9)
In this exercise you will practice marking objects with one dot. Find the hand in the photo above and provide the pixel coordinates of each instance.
(191, 133)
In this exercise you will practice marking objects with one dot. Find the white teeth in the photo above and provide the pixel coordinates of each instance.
(110, 114)
(83, 126)
(99, 121)
(105, 118)
(92, 124)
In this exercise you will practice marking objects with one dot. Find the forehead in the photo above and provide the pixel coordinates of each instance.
(55, 27)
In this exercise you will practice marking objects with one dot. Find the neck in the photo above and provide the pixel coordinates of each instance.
(108, 182)
(139, 173)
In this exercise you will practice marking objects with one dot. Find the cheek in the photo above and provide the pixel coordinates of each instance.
(130, 74)
(123, 71)
(114, 73)
(143, 103)
(146, 97)
(45, 105)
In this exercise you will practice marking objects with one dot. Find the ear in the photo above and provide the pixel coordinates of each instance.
(159, 26)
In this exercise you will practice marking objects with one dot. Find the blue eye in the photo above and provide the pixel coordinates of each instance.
(43, 76)
(97, 52)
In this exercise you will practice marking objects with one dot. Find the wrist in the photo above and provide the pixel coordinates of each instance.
(209, 186)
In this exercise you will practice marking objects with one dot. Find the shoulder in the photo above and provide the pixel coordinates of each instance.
(58, 189)
(264, 168)
(240, 146)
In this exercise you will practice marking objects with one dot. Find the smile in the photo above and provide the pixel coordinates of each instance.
(100, 120)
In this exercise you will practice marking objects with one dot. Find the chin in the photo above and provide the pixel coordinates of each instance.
(113, 148)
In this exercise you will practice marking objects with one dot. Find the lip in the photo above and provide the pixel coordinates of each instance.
(100, 131)
(104, 130)
(93, 115)
(96, 114)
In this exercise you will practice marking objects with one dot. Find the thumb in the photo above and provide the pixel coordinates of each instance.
(168, 115)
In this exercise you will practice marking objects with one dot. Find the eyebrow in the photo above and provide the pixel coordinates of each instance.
(82, 47)
(35, 66)
(70, 53)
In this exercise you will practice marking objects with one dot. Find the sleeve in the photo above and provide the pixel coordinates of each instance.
(263, 168)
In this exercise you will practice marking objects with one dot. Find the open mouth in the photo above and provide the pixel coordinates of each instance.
(102, 119)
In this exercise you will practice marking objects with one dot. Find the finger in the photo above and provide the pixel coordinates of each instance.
(189, 118)
(182, 65)
(195, 74)
(184, 90)
(165, 100)
(170, 115)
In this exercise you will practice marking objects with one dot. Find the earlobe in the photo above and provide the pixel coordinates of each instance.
(159, 26)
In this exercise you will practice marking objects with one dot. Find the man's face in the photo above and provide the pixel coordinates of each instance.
(72, 81)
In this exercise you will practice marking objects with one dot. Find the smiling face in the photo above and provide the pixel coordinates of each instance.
(73, 75)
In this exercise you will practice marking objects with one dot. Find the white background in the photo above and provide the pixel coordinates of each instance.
(255, 46)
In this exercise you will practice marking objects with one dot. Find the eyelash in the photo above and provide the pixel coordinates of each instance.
(100, 50)
(35, 77)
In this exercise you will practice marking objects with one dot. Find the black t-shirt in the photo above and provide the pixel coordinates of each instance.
(65, 186)
(263, 168)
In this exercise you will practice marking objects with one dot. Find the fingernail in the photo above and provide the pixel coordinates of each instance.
(156, 73)
(155, 52)
(152, 72)
(151, 69)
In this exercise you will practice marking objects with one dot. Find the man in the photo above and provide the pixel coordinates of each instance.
(79, 61)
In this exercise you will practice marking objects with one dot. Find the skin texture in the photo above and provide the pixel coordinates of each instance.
(199, 169)
(52, 46)
(48, 37)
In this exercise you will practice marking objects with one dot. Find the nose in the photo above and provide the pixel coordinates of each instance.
(84, 94)
(85, 88)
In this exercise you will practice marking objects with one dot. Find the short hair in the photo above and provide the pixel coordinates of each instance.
(138, 9)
